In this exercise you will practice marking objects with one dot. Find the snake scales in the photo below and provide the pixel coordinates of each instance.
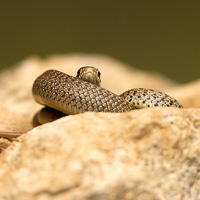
(73, 95)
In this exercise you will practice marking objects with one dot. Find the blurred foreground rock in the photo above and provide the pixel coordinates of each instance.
(143, 154)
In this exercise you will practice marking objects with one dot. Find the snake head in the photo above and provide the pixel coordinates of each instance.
(89, 74)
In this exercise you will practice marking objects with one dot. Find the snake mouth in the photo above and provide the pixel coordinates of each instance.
(91, 79)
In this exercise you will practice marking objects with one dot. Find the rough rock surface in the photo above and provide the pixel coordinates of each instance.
(18, 106)
(143, 154)
(187, 94)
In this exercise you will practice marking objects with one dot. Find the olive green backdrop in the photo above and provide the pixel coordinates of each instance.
(155, 35)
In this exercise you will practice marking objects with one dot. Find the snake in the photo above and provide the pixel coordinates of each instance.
(137, 97)
(83, 93)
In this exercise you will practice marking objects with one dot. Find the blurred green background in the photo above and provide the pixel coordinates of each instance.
(154, 35)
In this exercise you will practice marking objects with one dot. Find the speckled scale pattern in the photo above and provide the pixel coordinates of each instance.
(71, 95)
(143, 97)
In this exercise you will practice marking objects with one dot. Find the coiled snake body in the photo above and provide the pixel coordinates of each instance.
(73, 95)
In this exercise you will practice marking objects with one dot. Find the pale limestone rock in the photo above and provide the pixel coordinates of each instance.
(188, 94)
(4, 143)
(144, 154)
(17, 105)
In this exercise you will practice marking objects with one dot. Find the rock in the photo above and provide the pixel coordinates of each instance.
(143, 154)
(4, 143)
(17, 105)
(188, 94)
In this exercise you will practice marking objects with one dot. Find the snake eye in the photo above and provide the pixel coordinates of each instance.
(99, 74)
(78, 72)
